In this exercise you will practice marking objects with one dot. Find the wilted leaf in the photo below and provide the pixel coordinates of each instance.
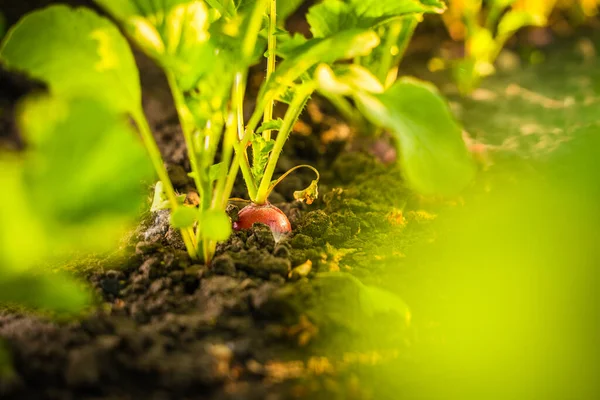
(308, 195)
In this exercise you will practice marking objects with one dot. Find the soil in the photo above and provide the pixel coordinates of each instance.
(255, 324)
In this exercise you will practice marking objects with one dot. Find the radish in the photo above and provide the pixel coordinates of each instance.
(266, 214)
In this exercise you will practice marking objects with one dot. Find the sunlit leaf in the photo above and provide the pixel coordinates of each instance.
(347, 79)
(274, 124)
(216, 225)
(84, 170)
(77, 52)
(184, 217)
(49, 291)
(514, 20)
(261, 149)
(345, 45)
(174, 32)
(334, 16)
(432, 152)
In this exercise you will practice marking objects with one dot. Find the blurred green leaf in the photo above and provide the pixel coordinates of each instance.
(216, 225)
(77, 52)
(286, 8)
(432, 153)
(376, 301)
(174, 32)
(514, 20)
(24, 243)
(215, 171)
(347, 80)
(287, 43)
(184, 217)
(83, 171)
(334, 16)
(22, 236)
(342, 46)
(50, 291)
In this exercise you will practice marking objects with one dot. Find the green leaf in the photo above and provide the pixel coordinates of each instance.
(24, 243)
(77, 52)
(272, 125)
(334, 16)
(342, 46)
(432, 153)
(84, 171)
(49, 291)
(184, 217)
(287, 44)
(224, 7)
(261, 149)
(375, 300)
(174, 32)
(347, 80)
(216, 225)
(286, 8)
(514, 20)
(160, 201)
(215, 171)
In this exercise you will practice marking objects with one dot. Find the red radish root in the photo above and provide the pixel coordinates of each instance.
(266, 214)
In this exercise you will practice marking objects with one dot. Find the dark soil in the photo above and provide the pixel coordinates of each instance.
(319, 314)
(259, 322)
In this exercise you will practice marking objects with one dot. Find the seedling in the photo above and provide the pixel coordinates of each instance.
(487, 26)
(206, 50)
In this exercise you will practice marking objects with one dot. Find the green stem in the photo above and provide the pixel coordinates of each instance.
(186, 120)
(391, 42)
(227, 153)
(346, 109)
(282, 177)
(302, 95)
(241, 156)
(407, 28)
(249, 44)
(272, 43)
(493, 16)
(163, 175)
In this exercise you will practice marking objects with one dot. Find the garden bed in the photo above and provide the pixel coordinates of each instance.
(333, 311)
